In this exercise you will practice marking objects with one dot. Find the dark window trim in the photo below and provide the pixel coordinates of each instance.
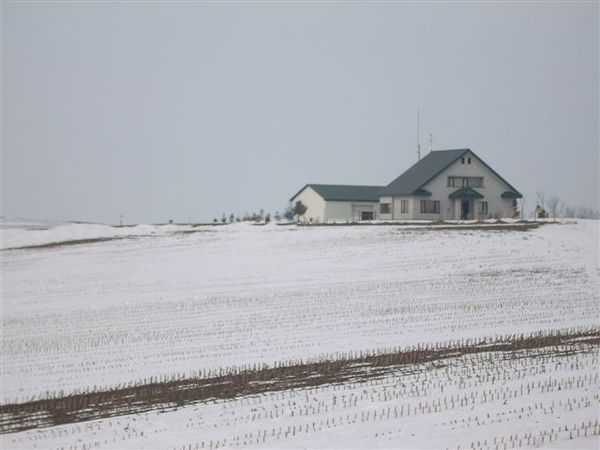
(403, 206)
(436, 206)
(483, 207)
(457, 181)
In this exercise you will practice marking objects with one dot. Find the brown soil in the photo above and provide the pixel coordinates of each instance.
(165, 395)
(67, 243)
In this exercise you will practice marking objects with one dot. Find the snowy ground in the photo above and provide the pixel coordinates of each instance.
(175, 299)
(109, 313)
(479, 401)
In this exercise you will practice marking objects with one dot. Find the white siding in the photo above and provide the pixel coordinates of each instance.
(397, 208)
(492, 189)
(389, 216)
(339, 211)
(364, 207)
(320, 210)
(315, 205)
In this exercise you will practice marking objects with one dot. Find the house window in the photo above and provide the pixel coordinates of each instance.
(465, 181)
(475, 181)
(462, 160)
(469, 160)
(483, 208)
(385, 208)
(403, 206)
(430, 207)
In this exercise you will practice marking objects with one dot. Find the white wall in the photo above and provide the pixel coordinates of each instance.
(492, 188)
(320, 210)
(359, 207)
(339, 211)
(398, 215)
(342, 211)
(315, 205)
(389, 216)
(395, 213)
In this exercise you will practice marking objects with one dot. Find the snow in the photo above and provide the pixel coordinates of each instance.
(177, 299)
(169, 302)
(19, 233)
(539, 400)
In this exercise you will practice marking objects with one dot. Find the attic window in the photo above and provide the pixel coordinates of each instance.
(462, 160)
(469, 160)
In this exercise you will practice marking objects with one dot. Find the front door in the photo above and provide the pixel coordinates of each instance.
(464, 210)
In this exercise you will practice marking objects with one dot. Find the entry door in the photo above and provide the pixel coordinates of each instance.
(464, 210)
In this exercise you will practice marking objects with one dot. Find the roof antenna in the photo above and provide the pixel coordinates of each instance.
(418, 141)
(430, 142)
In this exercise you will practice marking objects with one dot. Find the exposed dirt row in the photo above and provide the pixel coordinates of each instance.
(440, 225)
(178, 392)
(68, 243)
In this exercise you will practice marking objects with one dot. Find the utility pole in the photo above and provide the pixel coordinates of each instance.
(121, 223)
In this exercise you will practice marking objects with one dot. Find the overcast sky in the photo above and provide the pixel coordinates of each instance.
(186, 111)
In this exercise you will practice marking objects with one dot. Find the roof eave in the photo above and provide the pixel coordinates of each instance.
(511, 194)
(299, 192)
(349, 200)
(421, 193)
(465, 192)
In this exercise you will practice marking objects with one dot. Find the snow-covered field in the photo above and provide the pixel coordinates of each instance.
(175, 299)
(170, 302)
(480, 401)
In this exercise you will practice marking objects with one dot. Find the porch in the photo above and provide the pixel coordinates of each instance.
(464, 203)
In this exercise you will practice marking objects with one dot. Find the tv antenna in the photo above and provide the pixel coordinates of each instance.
(430, 142)
(418, 140)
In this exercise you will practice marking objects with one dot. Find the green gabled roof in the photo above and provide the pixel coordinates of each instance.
(422, 172)
(342, 192)
(466, 192)
(425, 170)
(511, 194)
(422, 193)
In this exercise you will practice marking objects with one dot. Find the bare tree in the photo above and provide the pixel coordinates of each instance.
(553, 205)
(584, 212)
(569, 212)
(539, 198)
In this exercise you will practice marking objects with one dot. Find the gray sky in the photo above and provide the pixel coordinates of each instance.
(189, 110)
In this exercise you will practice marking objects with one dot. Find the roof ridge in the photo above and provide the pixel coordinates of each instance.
(423, 171)
(344, 192)
(450, 150)
(359, 185)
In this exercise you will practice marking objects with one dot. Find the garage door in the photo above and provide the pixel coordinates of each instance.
(362, 212)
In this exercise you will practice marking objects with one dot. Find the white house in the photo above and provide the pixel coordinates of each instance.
(445, 184)
(341, 203)
(449, 184)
